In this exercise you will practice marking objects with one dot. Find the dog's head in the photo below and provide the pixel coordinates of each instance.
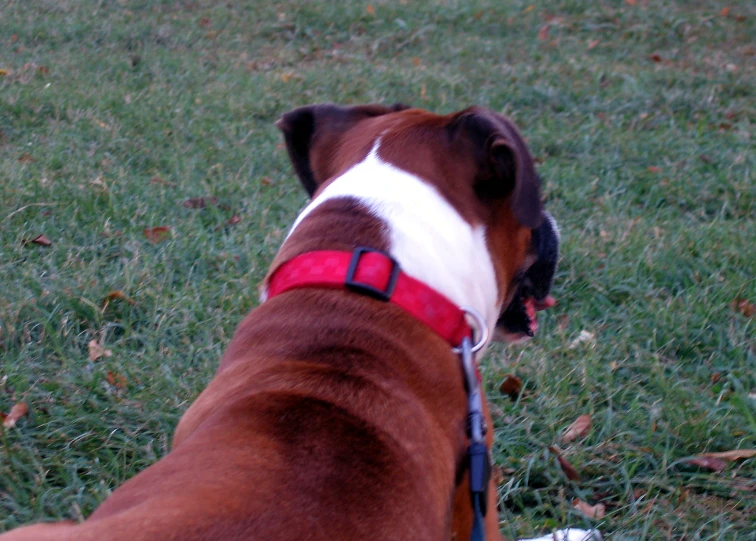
(476, 159)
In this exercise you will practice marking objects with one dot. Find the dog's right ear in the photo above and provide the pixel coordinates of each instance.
(312, 131)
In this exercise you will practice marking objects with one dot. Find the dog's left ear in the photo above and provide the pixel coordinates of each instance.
(506, 166)
(312, 132)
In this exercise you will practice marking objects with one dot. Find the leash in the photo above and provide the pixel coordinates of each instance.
(376, 274)
(477, 452)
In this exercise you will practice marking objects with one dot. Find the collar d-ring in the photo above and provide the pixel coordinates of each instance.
(479, 328)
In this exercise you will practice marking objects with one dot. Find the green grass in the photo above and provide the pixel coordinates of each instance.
(102, 97)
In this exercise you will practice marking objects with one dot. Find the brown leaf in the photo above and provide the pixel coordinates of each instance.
(41, 240)
(157, 234)
(731, 455)
(713, 464)
(631, 2)
(656, 57)
(116, 380)
(265, 181)
(118, 295)
(654, 169)
(511, 386)
(16, 412)
(370, 9)
(25, 158)
(579, 429)
(233, 220)
(43, 69)
(96, 351)
(416, 61)
(743, 307)
(568, 469)
(199, 202)
(543, 33)
(593, 44)
(563, 320)
(596, 512)
(725, 12)
(204, 22)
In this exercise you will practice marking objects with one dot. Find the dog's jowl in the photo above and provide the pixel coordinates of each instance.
(340, 410)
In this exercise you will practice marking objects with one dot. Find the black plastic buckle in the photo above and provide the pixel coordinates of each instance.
(367, 289)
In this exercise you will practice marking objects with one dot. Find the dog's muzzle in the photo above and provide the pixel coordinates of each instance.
(519, 320)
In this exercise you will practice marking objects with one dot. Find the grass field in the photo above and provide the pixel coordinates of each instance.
(641, 115)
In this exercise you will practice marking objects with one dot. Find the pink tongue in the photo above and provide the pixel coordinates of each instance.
(548, 302)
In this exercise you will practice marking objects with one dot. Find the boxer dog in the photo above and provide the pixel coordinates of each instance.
(340, 408)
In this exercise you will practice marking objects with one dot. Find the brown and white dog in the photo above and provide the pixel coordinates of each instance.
(333, 415)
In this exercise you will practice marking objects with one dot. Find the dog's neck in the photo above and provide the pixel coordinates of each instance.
(425, 234)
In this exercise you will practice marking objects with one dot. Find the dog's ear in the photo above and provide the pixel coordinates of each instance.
(318, 127)
(505, 165)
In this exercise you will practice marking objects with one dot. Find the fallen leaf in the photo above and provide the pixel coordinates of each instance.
(233, 220)
(562, 321)
(199, 202)
(96, 351)
(14, 37)
(3, 72)
(286, 77)
(117, 294)
(725, 12)
(656, 57)
(42, 240)
(16, 412)
(631, 2)
(265, 181)
(593, 43)
(708, 463)
(43, 69)
(116, 380)
(511, 386)
(654, 169)
(579, 429)
(528, 9)
(157, 234)
(204, 22)
(731, 455)
(370, 9)
(543, 33)
(583, 337)
(596, 512)
(715, 377)
(743, 307)
(415, 61)
(25, 158)
(568, 469)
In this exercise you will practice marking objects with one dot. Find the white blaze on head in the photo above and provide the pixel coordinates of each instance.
(428, 238)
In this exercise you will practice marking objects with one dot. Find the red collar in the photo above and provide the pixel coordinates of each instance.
(376, 274)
